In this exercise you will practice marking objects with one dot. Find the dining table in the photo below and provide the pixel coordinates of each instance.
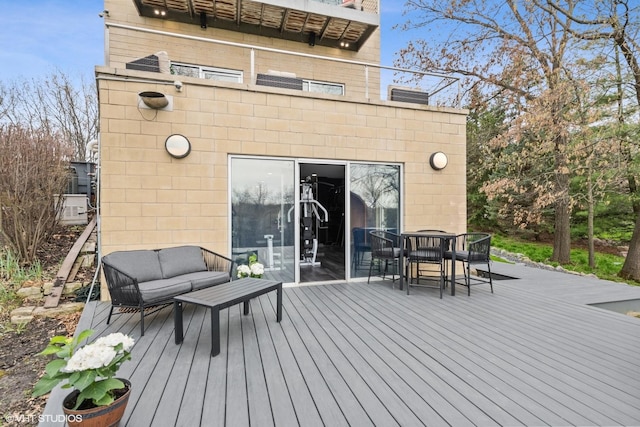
(450, 237)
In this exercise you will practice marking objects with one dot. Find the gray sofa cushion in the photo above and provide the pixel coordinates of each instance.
(181, 260)
(204, 279)
(142, 265)
(163, 289)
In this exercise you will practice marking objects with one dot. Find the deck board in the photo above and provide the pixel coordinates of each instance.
(532, 353)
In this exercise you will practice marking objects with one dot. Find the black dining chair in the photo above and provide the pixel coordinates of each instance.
(423, 251)
(361, 246)
(424, 270)
(385, 249)
(473, 249)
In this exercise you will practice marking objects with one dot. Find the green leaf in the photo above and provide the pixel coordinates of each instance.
(84, 335)
(50, 349)
(53, 368)
(98, 391)
(44, 386)
(106, 400)
(84, 380)
(59, 339)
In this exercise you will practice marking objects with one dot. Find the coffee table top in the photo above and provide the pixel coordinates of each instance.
(230, 292)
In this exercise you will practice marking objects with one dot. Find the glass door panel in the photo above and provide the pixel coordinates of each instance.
(374, 205)
(262, 212)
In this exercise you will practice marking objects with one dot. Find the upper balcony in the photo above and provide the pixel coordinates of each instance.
(344, 24)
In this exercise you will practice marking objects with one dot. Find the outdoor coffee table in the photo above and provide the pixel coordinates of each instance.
(224, 296)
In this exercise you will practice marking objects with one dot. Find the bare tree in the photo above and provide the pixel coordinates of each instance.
(54, 104)
(520, 52)
(34, 165)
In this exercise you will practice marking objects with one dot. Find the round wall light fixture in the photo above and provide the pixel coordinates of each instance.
(178, 146)
(438, 160)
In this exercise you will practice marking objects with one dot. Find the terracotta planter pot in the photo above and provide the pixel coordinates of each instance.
(101, 416)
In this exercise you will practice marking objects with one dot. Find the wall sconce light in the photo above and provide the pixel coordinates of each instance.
(154, 100)
(438, 160)
(312, 39)
(178, 146)
(203, 20)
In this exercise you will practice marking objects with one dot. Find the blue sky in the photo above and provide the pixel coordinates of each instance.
(38, 37)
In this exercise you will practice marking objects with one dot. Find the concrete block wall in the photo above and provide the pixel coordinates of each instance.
(150, 199)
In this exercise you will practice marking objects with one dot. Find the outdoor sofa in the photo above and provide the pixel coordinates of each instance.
(147, 280)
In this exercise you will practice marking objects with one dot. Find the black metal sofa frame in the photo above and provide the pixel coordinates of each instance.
(147, 280)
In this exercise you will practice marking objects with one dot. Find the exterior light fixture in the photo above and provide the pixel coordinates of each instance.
(203, 20)
(344, 44)
(178, 146)
(160, 12)
(154, 100)
(312, 39)
(438, 160)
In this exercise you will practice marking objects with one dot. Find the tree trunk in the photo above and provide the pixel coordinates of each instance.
(591, 203)
(631, 267)
(562, 235)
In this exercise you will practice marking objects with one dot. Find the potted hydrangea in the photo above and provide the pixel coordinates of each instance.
(90, 370)
(254, 269)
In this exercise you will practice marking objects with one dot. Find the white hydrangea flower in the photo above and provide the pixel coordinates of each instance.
(243, 270)
(90, 357)
(257, 269)
(116, 338)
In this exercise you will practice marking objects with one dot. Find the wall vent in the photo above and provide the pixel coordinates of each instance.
(408, 95)
(284, 82)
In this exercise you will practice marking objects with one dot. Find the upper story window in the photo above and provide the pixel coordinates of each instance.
(322, 87)
(213, 73)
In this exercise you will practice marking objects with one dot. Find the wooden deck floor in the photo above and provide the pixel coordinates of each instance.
(358, 354)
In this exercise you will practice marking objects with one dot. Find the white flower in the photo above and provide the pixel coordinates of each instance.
(90, 357)
(243, 271)
(257, 269)
(114, 339)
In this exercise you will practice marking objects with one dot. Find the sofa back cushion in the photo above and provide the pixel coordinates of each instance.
(181, 260)
(142, 265)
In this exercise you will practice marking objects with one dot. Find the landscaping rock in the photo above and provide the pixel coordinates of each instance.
(67, 308)
(22, 314)
(71, 288)
(30, 293)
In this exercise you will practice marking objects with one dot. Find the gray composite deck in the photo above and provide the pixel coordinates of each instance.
(533, 353)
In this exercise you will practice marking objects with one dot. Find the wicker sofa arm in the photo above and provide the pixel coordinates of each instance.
(123, 288)
(217, 262)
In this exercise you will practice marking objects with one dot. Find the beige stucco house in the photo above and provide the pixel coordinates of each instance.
(271, 130)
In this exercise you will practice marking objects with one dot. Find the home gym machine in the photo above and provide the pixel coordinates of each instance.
(310, 219)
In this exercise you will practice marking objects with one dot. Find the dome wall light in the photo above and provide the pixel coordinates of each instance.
(438, 160)
(178, 146)
(154, 100)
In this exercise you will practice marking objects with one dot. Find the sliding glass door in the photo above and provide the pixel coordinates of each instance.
(265, 215)
(262, 215)
(374, 205)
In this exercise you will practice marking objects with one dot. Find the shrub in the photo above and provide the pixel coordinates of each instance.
(34, 166)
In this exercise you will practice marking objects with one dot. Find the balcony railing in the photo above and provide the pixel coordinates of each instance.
(364, 82)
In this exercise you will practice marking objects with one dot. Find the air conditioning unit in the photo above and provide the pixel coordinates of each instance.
(74, 209)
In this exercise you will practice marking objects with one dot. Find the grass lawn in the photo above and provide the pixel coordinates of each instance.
(607, 265)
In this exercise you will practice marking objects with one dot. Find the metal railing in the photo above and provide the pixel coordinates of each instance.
(443, 90)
